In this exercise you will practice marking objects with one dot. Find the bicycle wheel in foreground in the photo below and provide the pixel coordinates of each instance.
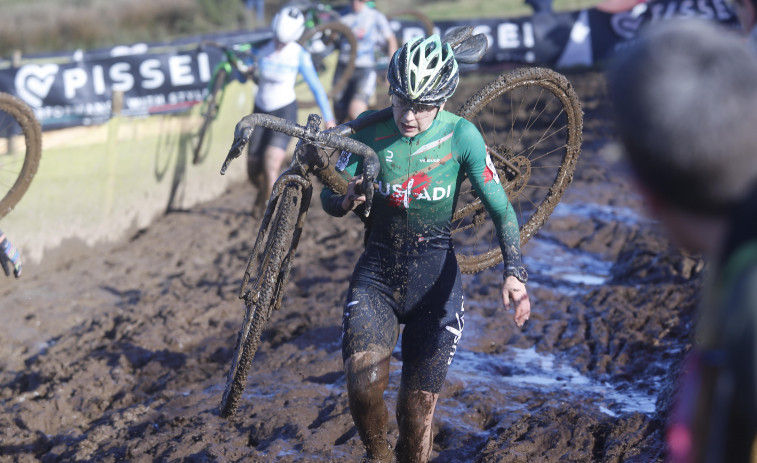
(531, 121)
(210, 105)
(323, 42)
(273, 250)
(20, 150)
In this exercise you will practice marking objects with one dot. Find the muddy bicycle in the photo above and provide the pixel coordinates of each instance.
(531, 121)
(20, 150)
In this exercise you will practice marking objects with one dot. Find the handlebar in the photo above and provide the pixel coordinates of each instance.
(336, 138)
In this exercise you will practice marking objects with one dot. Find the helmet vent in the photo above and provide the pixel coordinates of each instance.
(424, 71)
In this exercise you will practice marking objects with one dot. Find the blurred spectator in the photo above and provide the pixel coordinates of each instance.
(618, 6)
(685, 103)
(9, 256)
(258, 6)
(540, 6)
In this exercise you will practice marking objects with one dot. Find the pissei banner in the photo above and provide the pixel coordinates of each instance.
(71, 89)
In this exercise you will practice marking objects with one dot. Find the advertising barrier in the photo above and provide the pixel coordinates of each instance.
(76, 89)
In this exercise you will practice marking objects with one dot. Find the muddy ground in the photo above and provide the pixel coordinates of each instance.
(119, 353)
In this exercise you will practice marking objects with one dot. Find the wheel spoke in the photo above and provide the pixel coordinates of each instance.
(532, 118)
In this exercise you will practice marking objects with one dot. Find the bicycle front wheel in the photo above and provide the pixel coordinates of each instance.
(323, 42)
(531, 120)
(211, 103)
(273, 251)
(20, 150)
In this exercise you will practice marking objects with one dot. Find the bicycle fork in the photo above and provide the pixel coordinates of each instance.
(288, 187)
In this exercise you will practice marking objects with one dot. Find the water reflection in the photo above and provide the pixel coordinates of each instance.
(555, 262)
(602, 212)
(545, 373)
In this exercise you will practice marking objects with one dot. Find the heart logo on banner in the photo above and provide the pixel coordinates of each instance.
(627, 23)
(33, 82)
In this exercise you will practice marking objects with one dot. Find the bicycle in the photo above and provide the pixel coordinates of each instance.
(521, 159)
(233, 59)
(20, 150)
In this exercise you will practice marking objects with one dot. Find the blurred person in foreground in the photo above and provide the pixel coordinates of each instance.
(10, 258)
(685, 101)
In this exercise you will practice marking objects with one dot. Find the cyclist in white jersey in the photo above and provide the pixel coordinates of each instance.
(372, 31)
(279, 62)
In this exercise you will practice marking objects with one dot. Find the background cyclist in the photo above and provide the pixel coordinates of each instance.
(408, 274)
(279, 62)
(372, 32)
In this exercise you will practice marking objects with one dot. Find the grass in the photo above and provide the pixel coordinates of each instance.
(87, 24)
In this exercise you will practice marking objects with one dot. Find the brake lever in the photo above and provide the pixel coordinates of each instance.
(241, 137)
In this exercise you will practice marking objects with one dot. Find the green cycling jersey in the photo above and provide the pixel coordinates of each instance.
(419, 184)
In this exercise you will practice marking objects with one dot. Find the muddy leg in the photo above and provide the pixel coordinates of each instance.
(367, 377)
(415, 412)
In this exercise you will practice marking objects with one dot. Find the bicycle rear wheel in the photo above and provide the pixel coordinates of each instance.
(267, 274)
(414, 16)
(20, 150)
(531, 120)
(323, 43)
(211, 111)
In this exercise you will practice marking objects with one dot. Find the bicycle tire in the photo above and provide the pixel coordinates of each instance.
(529, 100)
(343, 32)
(422, 20)
(21, 120)
(211, 111)
(280, 237)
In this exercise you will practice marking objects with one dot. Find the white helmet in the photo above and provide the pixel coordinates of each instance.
(288, 24)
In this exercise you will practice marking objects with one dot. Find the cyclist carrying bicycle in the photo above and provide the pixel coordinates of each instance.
(408, 274)
(279, 62)
(371, 29)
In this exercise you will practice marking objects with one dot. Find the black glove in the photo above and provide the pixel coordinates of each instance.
(9, 256)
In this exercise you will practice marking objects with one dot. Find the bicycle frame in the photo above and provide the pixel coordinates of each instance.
(307, 159)
(228, 64)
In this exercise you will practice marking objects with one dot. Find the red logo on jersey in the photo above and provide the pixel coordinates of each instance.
(409, 190)
(490, 172)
